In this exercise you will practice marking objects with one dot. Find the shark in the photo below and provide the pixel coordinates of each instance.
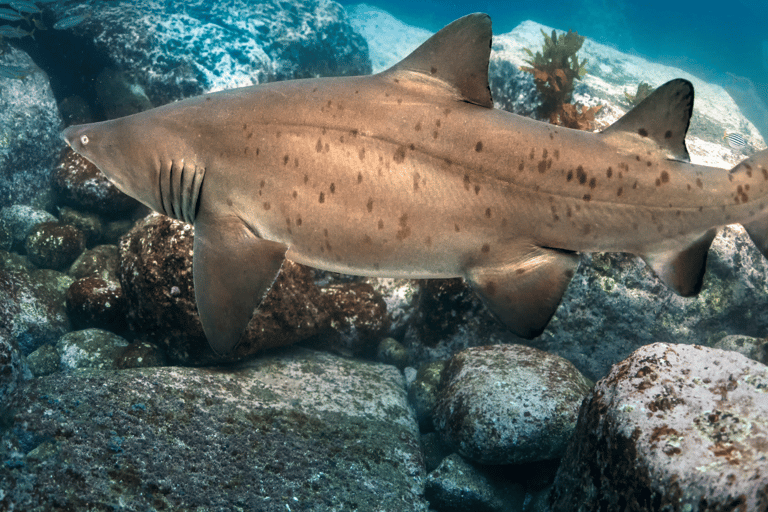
(412, 173)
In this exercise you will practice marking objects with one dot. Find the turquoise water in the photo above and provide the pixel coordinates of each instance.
(713, 40)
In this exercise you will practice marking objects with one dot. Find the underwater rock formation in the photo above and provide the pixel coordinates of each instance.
(672, 427)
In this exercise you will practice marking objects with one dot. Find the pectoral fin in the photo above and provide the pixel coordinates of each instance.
(682, 268)
(524, 289)
(233, 271)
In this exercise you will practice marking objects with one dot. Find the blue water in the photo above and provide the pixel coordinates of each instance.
(708, 39)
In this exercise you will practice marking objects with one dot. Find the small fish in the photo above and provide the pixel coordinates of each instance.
(735, 140)
(25, 6)
(71, 21)
(17, 72)
(10, 15)
(13, 32)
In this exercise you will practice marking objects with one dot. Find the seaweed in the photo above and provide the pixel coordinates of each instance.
(555, 68)
(643, 91)
(579, 117)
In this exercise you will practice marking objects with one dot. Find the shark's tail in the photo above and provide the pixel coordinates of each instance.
(757, 228)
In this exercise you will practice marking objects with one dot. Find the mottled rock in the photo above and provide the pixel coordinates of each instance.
(155, 271)
(101, 262)
(44, 361)
(141, 354)
(53, 245)
(300, 431)
(90, 348)
(458, 486)
(89, 223)
(17, 221)
(673, 427)
(95, 302)
(508, 404)
(13, 370)
(423, 392)
(29, 131)
(753, 348)
(32, 306)
(80, 185)
(191, 47)
(391, 351)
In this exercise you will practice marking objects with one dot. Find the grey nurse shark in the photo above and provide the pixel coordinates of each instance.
(412, 173)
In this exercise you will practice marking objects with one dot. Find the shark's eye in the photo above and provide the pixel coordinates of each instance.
(84, 139)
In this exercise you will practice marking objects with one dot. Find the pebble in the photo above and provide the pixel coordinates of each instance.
(53, 245)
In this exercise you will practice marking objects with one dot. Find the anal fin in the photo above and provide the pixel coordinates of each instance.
(525, 287)
(233, 271)
(682, 268)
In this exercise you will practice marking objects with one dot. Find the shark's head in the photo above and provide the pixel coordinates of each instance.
(143, 160)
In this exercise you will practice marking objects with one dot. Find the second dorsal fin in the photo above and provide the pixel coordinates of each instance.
(458, 55)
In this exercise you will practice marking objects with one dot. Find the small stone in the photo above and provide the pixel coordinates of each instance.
(16, 222)
(44, 361)
(672, 427)
(95, 302)
(391, 351)
(508, 404)
(89, 223)
(53, 245)
(141, 354)
(457, 485)
(90, 348)
(754, 348)
(422, 393)
(101, 261)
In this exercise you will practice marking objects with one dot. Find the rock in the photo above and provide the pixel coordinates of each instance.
(80, 185)
(754, 348)
(95, 302)
(508, 404)
(391, 351)
(434, 451)
(457, 486)
(17, 221)
(673, 427)
(90, 348)
(44, 361)
(141, 354)
(53, 245)
(423, 392)
(303, 430)
(101, 262)
(32, 307)
(29, 131)
(155, 271)
(89, 223)
(192, 47)
(13, 369)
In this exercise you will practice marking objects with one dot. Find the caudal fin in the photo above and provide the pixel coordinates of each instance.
(757, 228)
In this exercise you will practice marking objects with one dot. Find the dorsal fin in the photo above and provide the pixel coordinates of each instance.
(663, 117)
(458, 54)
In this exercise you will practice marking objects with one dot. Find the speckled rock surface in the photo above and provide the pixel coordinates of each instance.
(753, 348)
(155, 271)
(94, 302)
(674, 428)
(423, 393)
(458, 486)
(90, 348)
(32, 306)
(180, 48)
(101, 262)
(80, 185)
(54, 245)
(29, 131)
(508, 404)
(299, 431)
(16, 221)
(13, 370)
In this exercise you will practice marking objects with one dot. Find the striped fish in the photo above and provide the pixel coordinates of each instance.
(735, 140)
(16, 72)
(71, 21)
(10, 15)
(25, 6)
(13, 32)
